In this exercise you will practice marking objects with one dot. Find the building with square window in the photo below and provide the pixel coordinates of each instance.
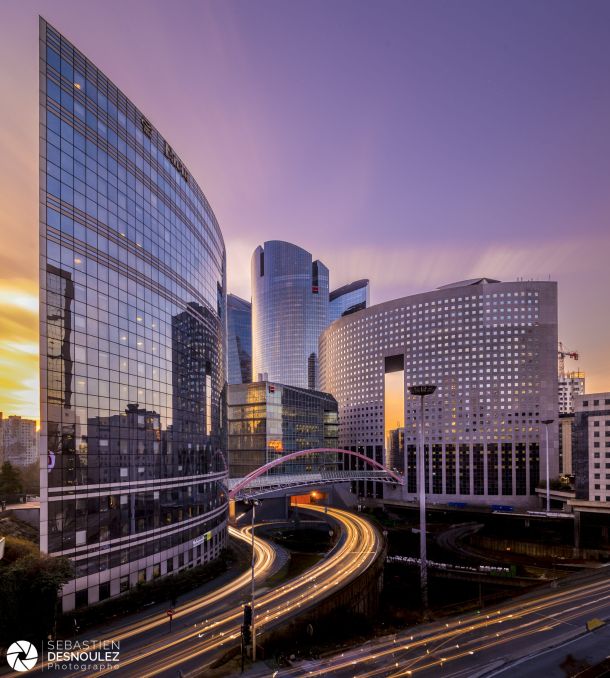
(491, 350)
(591, 447)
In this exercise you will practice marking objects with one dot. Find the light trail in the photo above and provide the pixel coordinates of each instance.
(431, 641)
(358, 550)
(264, 560)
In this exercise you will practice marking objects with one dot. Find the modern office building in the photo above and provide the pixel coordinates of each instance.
(239, 339)
(570, 385)
(289, 311)
(565, 431)
(18, 440)
(491, 350)
(133, 330)
(267, 420)
(591, 447)
(348, 299)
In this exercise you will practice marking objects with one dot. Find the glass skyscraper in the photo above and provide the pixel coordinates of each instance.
(348, 299)
(289, 312)
(133, 328)
(239, 340)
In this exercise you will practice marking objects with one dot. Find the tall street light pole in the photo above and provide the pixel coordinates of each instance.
(422, 391)
(546, 423)
(254, 503)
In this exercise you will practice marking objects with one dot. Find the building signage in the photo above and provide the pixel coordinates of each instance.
(176, 162)
(146, 126)
(204, 537)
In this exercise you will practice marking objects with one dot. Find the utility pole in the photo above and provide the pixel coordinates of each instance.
(422, 391)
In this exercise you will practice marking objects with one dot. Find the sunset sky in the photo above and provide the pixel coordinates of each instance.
(413, 143)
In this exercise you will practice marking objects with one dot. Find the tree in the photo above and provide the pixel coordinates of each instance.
(30, 477)
(30, 583)
(10, 480)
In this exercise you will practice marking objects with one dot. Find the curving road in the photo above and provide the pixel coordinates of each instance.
(197, 648)
(476, 644)
(137, 635)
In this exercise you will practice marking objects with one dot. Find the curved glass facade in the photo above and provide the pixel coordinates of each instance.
(348, 299)
(289, 312)
(133, 328)
(239, 339)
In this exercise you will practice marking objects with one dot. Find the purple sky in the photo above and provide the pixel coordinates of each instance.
(414, 143)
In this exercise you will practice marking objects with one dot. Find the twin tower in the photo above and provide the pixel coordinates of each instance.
(291, 307)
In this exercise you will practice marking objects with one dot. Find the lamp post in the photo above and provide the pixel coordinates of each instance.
(546, 423)
(422, 391)
(254, 503)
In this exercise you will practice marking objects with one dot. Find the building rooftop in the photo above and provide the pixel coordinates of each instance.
(350, 287)
(468, 283)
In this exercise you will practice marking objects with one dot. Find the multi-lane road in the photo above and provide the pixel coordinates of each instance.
(206, 628)
(483, 644)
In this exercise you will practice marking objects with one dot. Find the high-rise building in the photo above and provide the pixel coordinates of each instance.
(491, 350)
(348, 299)
(269, 420)
(289, 311)
(570, 385)
(239, 339)
(566, 426)
(18, 441)
(133, 330)
(591, 446)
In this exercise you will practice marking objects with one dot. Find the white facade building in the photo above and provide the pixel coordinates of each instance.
(491, 349)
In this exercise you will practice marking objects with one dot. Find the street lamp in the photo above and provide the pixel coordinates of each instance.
(254, 503)
(546, 423)
(422, 391)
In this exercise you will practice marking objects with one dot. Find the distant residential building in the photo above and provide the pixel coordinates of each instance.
(18, 440)
(348, 299)
(267, 420)
(239, 339)
(289, 311)
(490, 348)
(570, 385)
(591, 446)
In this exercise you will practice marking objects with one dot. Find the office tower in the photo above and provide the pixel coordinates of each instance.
(348, 299)
(566, 427)
(289, 311)
(239, 338)
(490, 348)
(133, 329)
(18, 444)
(571, 384)
(591, 447)
(268, 420)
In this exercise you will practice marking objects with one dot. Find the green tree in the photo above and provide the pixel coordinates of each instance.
(28, 594)
(10, 480)
(30, 477)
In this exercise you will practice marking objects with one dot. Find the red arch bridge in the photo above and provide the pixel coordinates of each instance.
(264, 481)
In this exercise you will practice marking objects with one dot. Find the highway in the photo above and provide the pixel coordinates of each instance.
(197, 647)
(205, 629)
(139, 633)
(483, 644)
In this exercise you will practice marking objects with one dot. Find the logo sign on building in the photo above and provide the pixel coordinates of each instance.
(146, 126)
(204, 537)
(176, 162)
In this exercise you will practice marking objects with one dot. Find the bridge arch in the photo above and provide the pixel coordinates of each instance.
(257, 473)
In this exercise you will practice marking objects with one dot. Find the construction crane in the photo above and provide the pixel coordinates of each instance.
(562, 354)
